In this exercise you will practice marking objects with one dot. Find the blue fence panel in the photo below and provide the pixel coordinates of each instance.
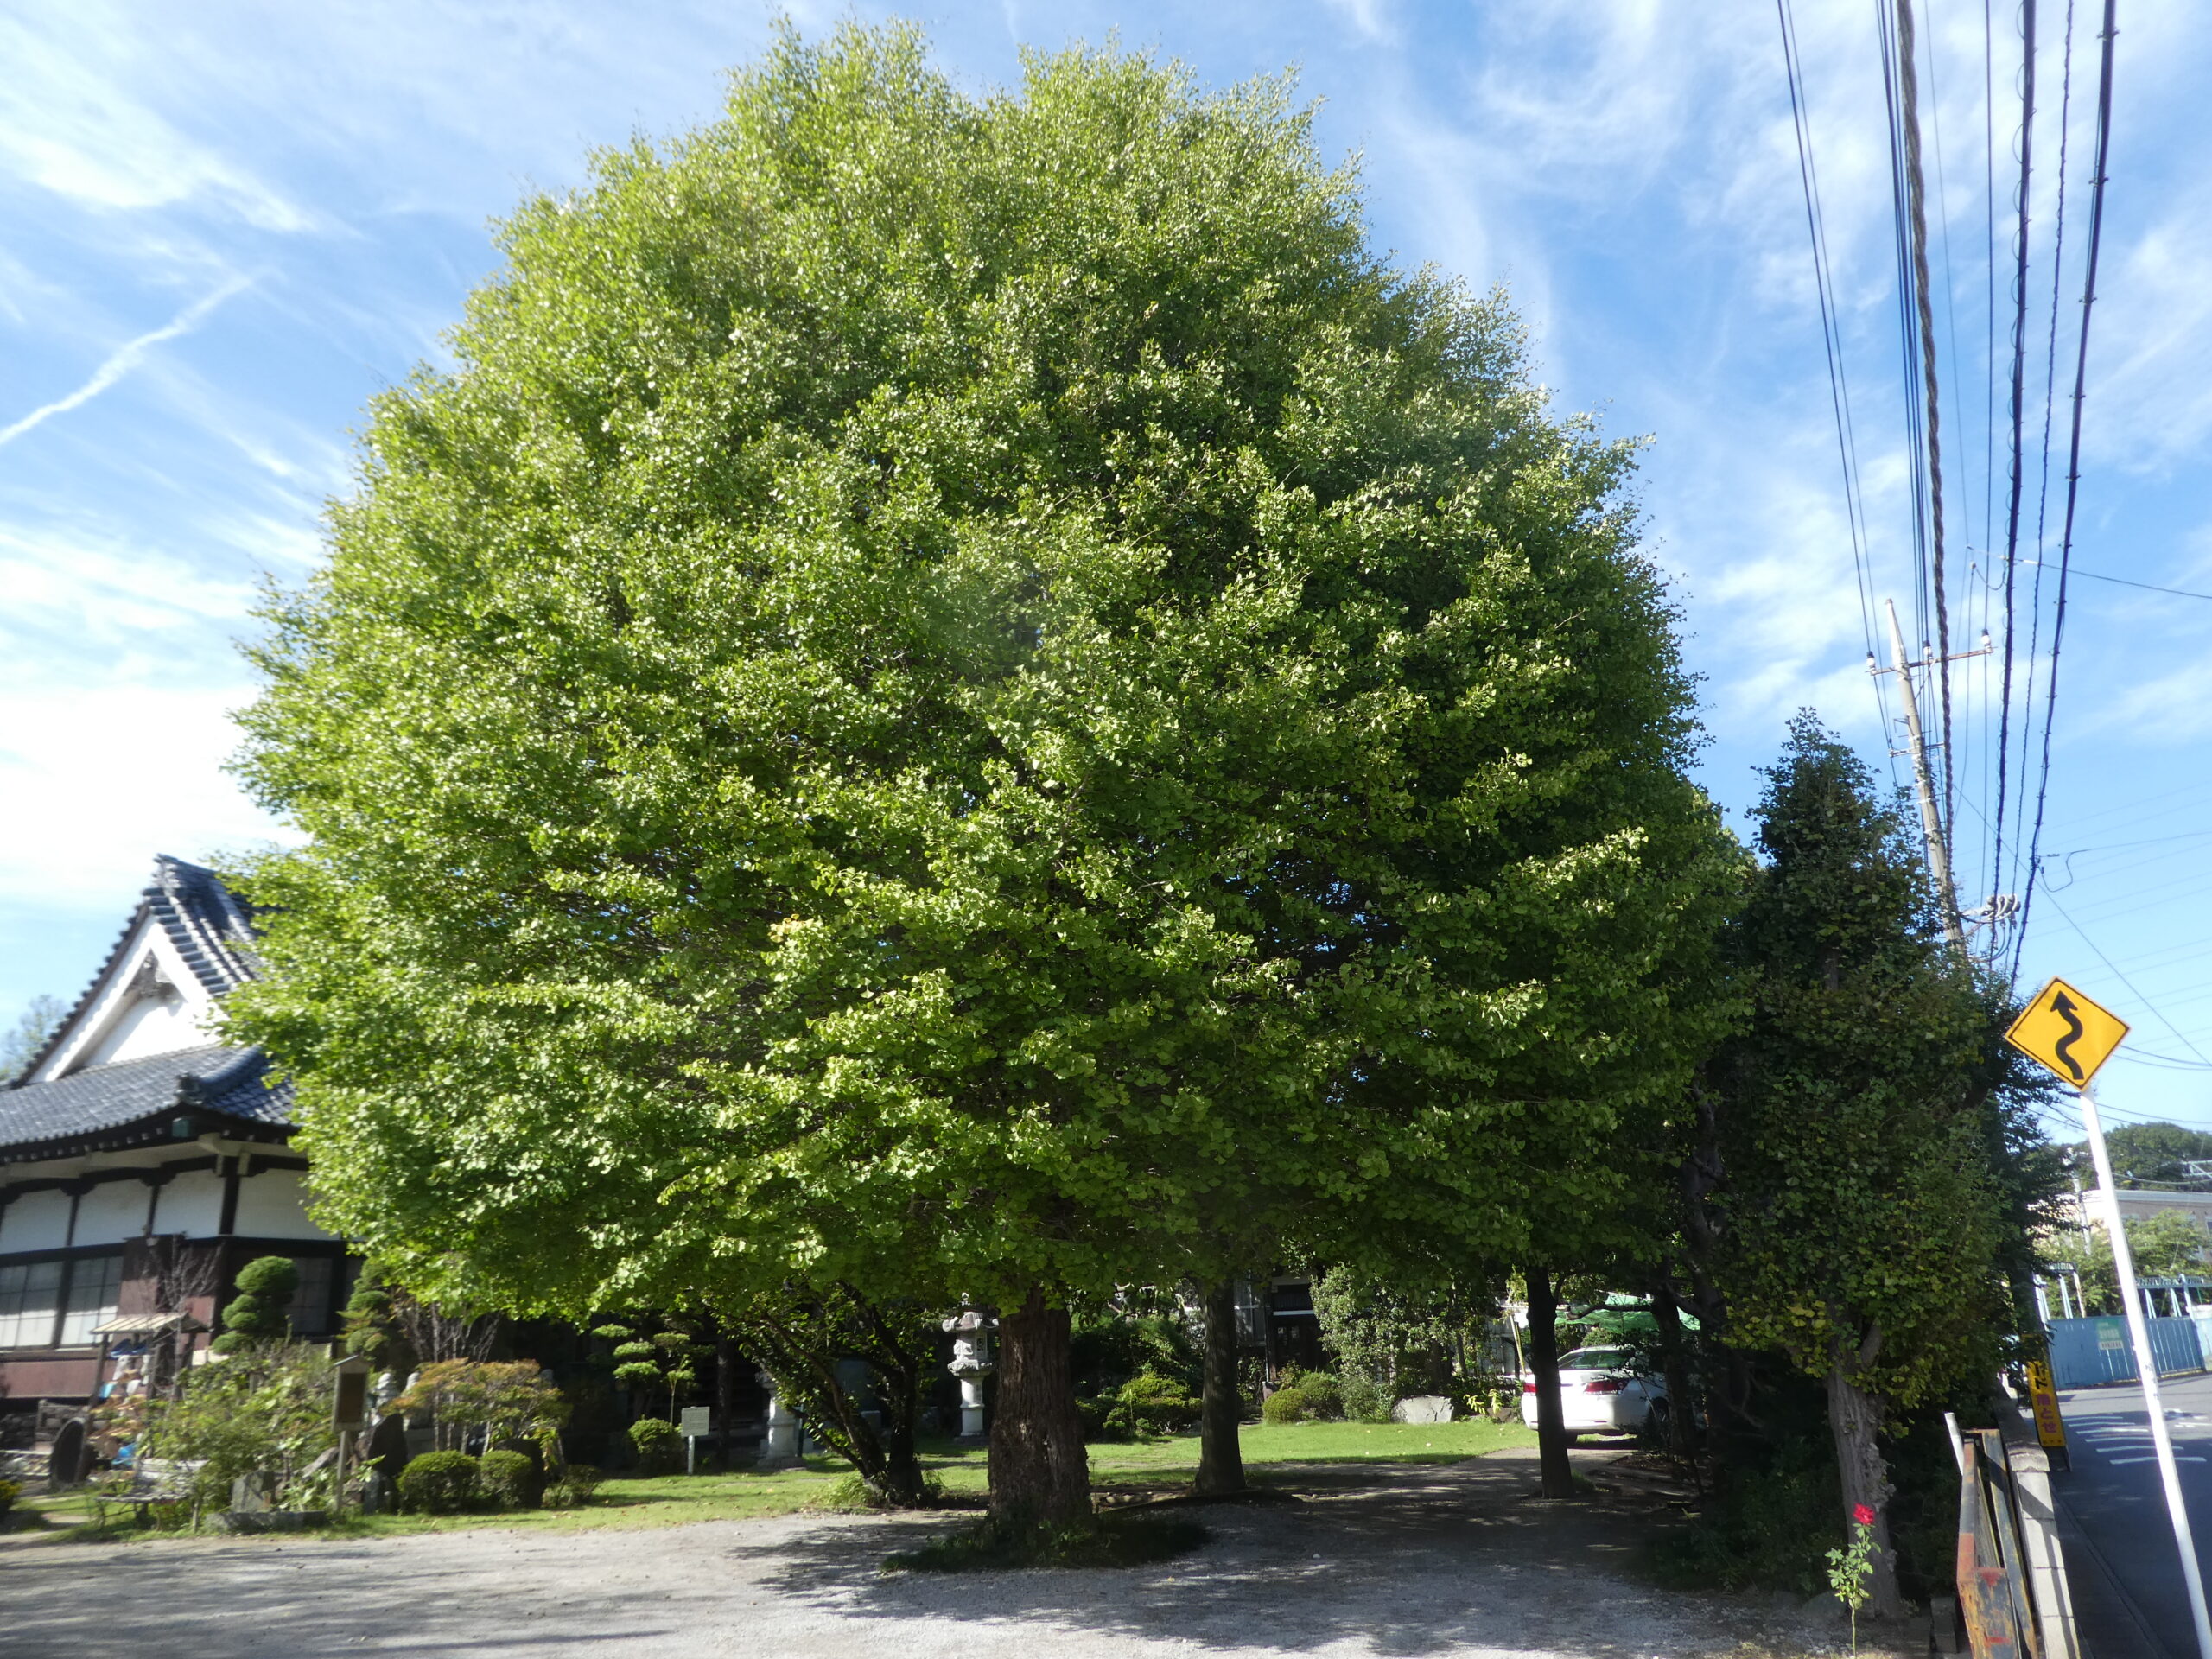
(2086, 1353)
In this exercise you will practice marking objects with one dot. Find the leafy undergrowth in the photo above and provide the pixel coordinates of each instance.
(1109, 1540)
(1127, 1471)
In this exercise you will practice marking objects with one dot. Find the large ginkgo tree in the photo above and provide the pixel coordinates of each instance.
(971, 698)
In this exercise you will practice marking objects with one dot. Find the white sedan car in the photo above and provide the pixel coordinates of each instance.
(1599, 1393)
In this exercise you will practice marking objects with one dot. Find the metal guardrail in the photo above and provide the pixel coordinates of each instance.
(1997, 1592)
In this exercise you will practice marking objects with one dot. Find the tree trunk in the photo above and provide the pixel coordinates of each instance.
(1854, 1419)
(1038, 1472)
(1221, 1458)
(1681, 1437)
(1543, 1365)
(725, 1391)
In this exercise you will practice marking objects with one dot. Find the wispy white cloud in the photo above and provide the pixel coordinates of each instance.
(125, 358)
(71, 124)
(2173, 708)
(1369, 18)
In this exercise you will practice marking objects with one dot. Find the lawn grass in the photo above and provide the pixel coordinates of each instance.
(1125, 1469)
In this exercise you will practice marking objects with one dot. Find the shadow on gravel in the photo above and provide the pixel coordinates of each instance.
(1410, 1560)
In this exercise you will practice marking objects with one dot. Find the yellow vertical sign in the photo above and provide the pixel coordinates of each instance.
(2051, 1427)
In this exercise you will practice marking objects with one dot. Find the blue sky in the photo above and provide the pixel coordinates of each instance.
(230, 225)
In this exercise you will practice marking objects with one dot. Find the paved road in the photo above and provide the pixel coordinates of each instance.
(2121, 1562)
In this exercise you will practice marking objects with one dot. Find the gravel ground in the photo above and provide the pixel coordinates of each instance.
(1455, 1560)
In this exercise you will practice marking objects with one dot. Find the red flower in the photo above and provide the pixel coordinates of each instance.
(1862, 1515)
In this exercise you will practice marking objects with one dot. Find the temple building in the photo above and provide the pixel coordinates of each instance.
(144, 1161)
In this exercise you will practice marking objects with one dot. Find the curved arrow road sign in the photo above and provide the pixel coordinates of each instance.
(2061, 1029)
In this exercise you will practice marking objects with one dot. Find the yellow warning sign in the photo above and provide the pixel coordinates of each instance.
(2065, 1031)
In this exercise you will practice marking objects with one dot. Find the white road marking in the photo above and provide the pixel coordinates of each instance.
(2118, 1462)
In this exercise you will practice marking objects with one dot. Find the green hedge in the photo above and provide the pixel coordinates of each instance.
(439, 1483)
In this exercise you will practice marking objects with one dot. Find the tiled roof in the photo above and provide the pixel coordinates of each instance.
(212, 930)
(105, 1102)
(210, 926)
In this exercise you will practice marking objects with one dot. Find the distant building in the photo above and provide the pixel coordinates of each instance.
(2078, 1209)
(144, 1161)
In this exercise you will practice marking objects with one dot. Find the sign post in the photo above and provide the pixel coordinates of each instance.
(349, 1415)
(698, 1422)
(2071, 1036)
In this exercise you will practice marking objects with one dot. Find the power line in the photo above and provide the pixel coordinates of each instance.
(1923, 287)
(2155, 1012)
(1908, 321)
(2147, 586)
(2074, 442)
(1831, 338)
(2050, 388)
(2019, 410)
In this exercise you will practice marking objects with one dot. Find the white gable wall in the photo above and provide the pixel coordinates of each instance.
(122, 1022)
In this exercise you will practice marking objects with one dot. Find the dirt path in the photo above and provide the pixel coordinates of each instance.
(1456, 1559)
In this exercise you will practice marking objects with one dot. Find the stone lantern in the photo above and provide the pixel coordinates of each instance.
(972, 1361)
(780, 1444)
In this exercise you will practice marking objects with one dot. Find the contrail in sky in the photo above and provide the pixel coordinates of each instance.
(124, 359)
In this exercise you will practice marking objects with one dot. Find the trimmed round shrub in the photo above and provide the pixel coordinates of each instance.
(1304, 1395)
(439, 1483)
(1285, 1405)
(508, 1479)
(1323, 1394)
(258, 1314)
(10, 1492)
(572, 1488)
(657, 1443)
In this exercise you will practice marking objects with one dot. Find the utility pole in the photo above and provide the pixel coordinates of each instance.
(1931, 819)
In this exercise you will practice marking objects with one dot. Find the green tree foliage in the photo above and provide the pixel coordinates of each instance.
(260, 1312)
(2165, 1246)
(807, 1340)
(21, 1042)
(2150, 1152)
(951, 692)
(1865, 1218)
(1412, 1338)
(506, 1400)
(371, 1321)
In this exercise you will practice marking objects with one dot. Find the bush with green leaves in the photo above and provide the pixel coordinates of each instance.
(508, 1480)
(440, 1483)
(1366, 1399)
(1149, 1403)
(1304, 1395)
(10, 1492)
(506, 1400)
(1417, 1337)
(260, 1313)
(851, 1493)
(657, 1443)
(572, 1488)
(264, 1408)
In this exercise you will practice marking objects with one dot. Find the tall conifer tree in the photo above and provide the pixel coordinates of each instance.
(1865, 1217)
